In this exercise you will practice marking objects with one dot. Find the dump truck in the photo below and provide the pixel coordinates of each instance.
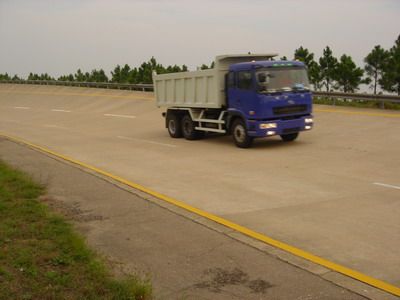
(249, 96)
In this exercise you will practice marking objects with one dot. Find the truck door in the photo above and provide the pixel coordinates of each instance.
(241, 95)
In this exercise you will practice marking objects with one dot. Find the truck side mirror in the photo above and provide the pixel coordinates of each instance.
(262, 78)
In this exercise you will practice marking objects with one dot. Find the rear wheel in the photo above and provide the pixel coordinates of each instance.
(188, 129)
(289, 137)
(174, 125)
(239, 134)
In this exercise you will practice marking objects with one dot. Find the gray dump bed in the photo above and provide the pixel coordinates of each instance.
(203, 88)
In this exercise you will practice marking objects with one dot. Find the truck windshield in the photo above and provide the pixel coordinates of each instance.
(272, 80)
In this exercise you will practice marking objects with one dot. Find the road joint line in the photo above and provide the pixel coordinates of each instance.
(119, 116)
(387, 185)
(146, 141)
(61, 110)
(384, 286)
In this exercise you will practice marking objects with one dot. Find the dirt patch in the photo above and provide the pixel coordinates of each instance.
(70, 211)
(219, 278)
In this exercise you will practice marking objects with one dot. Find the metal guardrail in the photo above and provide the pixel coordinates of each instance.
(354, 96)
(334, 96)
(149, 87)
(106, 85)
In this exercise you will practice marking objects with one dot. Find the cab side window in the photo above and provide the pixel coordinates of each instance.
(231, 79)
(244, 80)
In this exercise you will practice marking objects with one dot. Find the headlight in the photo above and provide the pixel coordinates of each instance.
(267, 125)
(308, 120)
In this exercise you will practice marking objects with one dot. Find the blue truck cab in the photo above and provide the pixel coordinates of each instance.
(267, 98)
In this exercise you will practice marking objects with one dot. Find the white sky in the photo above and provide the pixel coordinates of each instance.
(61, 36)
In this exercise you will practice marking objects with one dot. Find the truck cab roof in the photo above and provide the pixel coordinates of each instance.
(245, 66)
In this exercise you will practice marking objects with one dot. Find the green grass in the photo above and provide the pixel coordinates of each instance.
(357, 103)
(41, 257)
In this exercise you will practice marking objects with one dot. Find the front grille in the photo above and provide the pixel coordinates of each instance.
(285, 110)
(290, 130)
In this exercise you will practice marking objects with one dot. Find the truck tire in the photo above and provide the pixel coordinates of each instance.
(174, 125)
(188, 129)
(239, 134)
(289, 137)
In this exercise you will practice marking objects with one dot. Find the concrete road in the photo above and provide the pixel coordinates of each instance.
(335, 192)
(183, 259)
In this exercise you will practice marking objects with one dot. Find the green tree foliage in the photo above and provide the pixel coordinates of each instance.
(302, 54)
(5, 77)
(121, 75)
(144, 73)
(69, 77)
(328, 64)
(116, 74)
(390, 80)
(315, 75)
(16, 78)
(146, 69)
(79, 76)
(42, 76)
(97, 76)
(348, 76)
(375, 63)
(205, 67)
(314, 70)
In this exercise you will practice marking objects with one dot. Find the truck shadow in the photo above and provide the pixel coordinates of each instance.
(259, 143)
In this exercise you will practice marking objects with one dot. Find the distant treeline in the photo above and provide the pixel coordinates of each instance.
(382, 69)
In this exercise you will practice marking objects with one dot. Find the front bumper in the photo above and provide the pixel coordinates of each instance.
(282, 126)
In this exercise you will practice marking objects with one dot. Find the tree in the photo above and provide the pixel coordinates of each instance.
(79, 76)
(97, 76)
(327, 65)
(32, 76)
(315, 75)
(133, 75)
(375, 62)
(348, 75)
(45, 76)
(390, 80)
(145, 71)
(314, 70)
(283, 58)
(124, 77)
(5, 77)
(302, 54)
(116, 74)
(69, 77)
(202, 67)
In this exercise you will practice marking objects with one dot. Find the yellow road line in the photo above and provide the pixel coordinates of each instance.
(361, 113)
(244, 230)
(75, 94)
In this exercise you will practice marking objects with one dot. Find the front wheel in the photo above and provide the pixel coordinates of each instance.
(289, 137)
(239, 134)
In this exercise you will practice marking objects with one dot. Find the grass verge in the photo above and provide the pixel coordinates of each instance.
(41, 257)
(357, 103)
